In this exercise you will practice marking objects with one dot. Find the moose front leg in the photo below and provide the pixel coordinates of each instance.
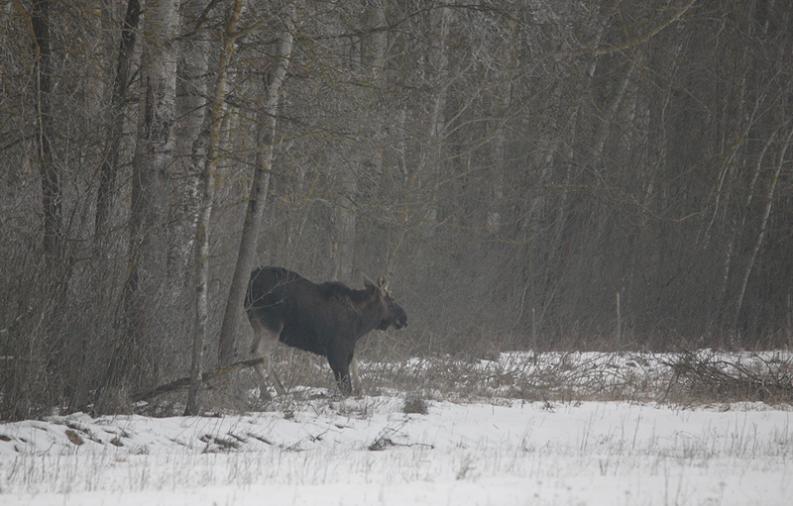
(340, 364)
(355, 376)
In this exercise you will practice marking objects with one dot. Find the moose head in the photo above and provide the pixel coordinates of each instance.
(393, 315)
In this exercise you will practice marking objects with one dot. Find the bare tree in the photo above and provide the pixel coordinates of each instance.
(148, 245)
(192, 109)
(763, 225)
(512, 167)
(118, 102)
(208, 184)
(266, 128)
(51, 189)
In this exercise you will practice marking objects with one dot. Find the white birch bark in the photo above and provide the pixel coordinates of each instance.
(147, 254)
(257, 197)
(153, 157)
(191, 111)
(207, 189)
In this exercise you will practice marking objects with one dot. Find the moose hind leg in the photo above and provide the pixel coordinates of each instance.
(264, 343)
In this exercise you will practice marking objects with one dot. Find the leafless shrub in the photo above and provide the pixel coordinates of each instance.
(415, 405)
(709, 378)
(465, 469)
(380, 444)
(548, 378)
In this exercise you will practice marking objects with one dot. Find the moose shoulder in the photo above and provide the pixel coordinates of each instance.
(326, 318)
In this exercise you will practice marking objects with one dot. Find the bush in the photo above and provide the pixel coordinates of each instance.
(415, 405)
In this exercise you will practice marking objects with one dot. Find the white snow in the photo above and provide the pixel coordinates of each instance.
(366, 451)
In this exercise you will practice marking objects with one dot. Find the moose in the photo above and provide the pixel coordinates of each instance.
(326, 318)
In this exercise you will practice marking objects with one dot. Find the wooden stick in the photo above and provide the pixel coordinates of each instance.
(185, 382)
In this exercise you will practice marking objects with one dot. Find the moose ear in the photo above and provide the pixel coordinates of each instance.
(382, 283)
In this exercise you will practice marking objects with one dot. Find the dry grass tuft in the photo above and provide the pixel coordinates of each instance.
(415, 405)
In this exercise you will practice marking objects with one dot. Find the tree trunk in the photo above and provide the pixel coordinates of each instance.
(611, 111)
(257, 198)
(431, 157)
(563, 122)
(191, 113)
(763, 226)
(726, 270)
(201, 276)
(749, 81)
(144, 304)
(346, 224)
(192, 130)
(368, 242)
(495, 197)
(118, 103)
(51, 191)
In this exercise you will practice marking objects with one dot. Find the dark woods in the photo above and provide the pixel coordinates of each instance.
(533, 174)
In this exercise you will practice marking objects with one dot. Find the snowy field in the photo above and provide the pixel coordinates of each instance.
(367, 450)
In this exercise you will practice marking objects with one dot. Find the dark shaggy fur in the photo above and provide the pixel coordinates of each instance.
(326, 318)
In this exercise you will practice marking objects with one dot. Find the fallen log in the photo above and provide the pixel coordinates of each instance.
(180, 383)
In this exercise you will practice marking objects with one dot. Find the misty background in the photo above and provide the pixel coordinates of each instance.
(529, 174)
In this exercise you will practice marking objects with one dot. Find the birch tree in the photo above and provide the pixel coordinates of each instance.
(207, 188)
(257, 197)
(144, 306)
(192, 109)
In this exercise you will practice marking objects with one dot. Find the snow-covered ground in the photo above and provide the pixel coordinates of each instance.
(499, 442)
(368, 451)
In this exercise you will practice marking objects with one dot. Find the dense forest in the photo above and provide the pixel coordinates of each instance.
(528, 174)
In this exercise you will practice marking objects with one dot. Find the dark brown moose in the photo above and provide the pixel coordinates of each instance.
(326, 319)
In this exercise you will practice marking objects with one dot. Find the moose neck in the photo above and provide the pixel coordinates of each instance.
(369, 309)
